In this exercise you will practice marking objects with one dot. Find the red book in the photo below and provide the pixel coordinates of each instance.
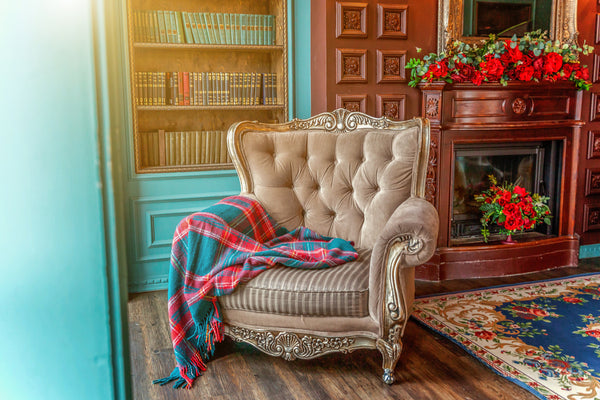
(186, 88)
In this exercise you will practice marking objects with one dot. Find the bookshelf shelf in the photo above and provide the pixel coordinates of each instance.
(189, 46)
(192, 64)
(209, 108)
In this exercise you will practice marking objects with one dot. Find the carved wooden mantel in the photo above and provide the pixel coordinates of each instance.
(517, 112)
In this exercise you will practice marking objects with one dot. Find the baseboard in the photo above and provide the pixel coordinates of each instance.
(589, 251)
(149, 285)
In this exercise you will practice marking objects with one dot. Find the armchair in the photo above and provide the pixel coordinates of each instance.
(342, 174)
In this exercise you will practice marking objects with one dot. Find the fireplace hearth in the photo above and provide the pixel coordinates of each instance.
(534, 166)
(526, 133)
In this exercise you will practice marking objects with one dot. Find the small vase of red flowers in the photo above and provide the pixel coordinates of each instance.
(512, 208)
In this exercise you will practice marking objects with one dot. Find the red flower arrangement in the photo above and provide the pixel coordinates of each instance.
(532, 58)
(511, 207)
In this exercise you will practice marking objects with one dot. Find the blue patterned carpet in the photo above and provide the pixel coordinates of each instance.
(544, 336)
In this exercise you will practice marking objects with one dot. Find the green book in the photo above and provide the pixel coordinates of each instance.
(196, 28)
(180, 31)
(175, 33)
(162, 37)
(261, 29)
(243, 28)
(227, 26)
(187, 26)
(168, 27)
(202, 33)
(213, 27)
(221, 28)
(155, 26)
(207, 28)
(233, 28)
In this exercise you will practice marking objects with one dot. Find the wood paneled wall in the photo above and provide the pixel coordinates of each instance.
(359, 50)
(358, 53)
(587, 217)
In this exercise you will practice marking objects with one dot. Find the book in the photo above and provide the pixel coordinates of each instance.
(227, 27)
(223, 155)
(155, 27)
(187, 26)
(186, 88)
(221, 28)
(214, 29)
(179, 25)
(274, 99)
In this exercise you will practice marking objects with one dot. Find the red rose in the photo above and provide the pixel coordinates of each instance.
(477, 77)
(538, 312)
(529, 223)
(510, 209)
(593, 333)
(567, 70)
(485, 335)
(492, 68)
(582, 73)
(507, 196)
(525, 73)
(511, 223)
(437, 70)
(538, 65)
(520, 191)
(552, 63)
(573, 300)
(511, 55)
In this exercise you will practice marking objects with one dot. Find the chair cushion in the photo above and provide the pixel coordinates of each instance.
(338, 291)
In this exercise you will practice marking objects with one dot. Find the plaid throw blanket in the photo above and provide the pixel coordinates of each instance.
(215, 250)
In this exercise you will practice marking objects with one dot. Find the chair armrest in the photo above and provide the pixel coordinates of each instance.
(417, 221)
(409, 238)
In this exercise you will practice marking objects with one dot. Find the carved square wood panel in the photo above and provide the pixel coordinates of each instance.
(390, 66)
(391, 21)
(591, 217)
(595, 107)
(596, 69)
(351, 102)
(351, 65)
(350, 20)
(593, 144)
(391, 106)
(592, 181)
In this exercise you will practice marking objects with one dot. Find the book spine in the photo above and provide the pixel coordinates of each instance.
(155, 27)
(195, 24)
(227, 24)
(228, 88)
(274, 88)
(186, 88)
(221, 26)
(197, 148)
(243, 28)
(180, 31)
(252, 82)
(213, 27)
(223, 139)
(261, 29)
(175, 30)
(192, 89)
(189, 38)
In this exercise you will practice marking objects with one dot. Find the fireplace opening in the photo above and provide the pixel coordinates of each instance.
(532, 165)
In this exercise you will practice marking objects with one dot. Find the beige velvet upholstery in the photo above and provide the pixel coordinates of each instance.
(345, 175)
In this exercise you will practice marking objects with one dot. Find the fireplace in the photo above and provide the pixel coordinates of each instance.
(534, 166)
(527, 133)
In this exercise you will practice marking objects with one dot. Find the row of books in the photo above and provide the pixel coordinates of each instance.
(160, 26)
(205, 88)
(162, 148)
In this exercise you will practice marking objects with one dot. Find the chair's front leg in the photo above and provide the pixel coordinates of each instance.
(395, 309)
(390, 348)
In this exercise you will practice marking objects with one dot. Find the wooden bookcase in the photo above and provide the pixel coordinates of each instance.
(191, 137)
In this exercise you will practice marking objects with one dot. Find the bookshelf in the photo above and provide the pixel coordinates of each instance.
(196, 67)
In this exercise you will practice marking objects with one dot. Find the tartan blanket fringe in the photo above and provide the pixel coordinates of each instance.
(214, 251)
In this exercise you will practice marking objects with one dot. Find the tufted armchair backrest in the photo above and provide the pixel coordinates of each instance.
(341, 174)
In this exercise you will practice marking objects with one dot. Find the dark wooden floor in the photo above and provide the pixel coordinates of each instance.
(430, 367)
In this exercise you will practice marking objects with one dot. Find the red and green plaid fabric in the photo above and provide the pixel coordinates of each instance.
(213, 251)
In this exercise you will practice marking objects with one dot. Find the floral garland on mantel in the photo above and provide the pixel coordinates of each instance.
(531, 58)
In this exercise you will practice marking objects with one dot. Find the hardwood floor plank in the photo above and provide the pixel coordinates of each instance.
(430, 367)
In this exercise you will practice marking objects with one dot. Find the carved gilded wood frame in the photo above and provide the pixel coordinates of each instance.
(563, 25)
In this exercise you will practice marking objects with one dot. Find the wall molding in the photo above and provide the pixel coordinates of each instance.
(589, 251)
(150, 284)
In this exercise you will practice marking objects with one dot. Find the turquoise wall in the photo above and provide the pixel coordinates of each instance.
(55, 327)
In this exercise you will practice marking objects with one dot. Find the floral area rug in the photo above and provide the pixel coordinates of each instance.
(544, 336)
